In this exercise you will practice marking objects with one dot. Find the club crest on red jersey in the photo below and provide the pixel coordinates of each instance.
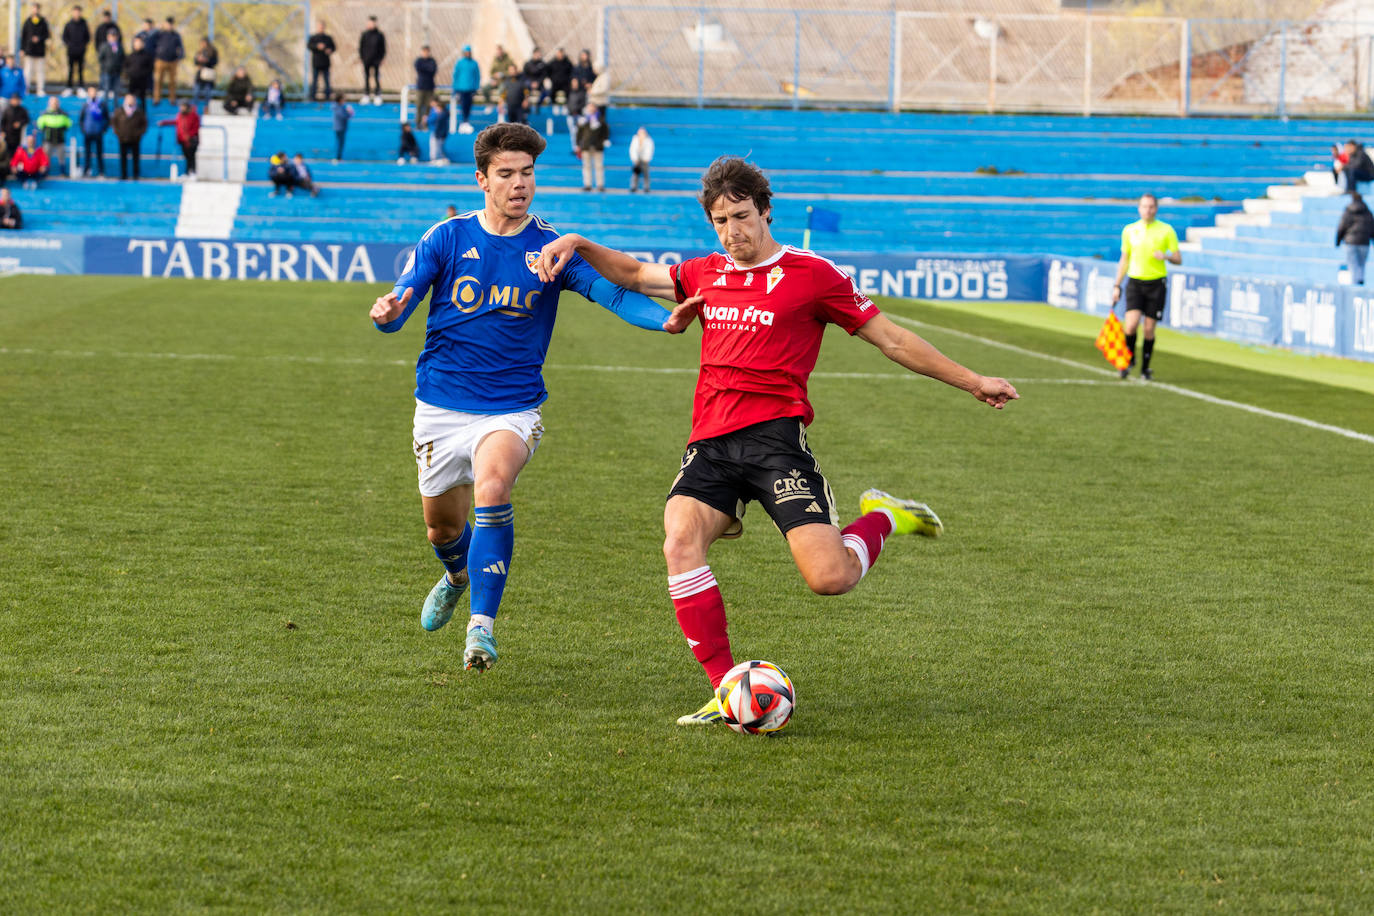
(774, 277)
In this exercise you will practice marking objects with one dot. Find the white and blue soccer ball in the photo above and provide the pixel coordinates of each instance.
(756, 698)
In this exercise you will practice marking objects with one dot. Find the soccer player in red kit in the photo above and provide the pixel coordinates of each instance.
(763, 307)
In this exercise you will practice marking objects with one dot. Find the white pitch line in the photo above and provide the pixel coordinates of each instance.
(1160, 386)
(660, 370)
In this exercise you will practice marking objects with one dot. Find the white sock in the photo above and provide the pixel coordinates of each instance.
(482, 620)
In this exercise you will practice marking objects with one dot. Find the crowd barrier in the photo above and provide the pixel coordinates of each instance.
(1326, 319)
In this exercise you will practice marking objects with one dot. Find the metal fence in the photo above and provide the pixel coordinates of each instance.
(707, 53)
(1078, 62)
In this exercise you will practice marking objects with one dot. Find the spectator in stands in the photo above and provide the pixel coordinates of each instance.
(322, 50)
(426, 69)
(53, 124)
(138, 69)
(560, 79)
(272, 105)
(438, 132)
(10, 217)
(29, 163)
(1354, 167)
(536, 75)
(641, 154)
(513, 96)
(1354, 232)
(467, 79)
(95, 120)
(593, 136)
(583, 69)
(372, 51)
(500, 66)
(4, 161)
(12, 80)
(106, 26)
(300, 173)
(410, 148)
(1145, 245)
(342, 113)
(577, 104)
(188, 136)
(15, 118)
(109, 54)
(238, 93)
(205, 62)
(130, 123)
(280, 173)
(450, 211)
(34, 36)
(149, 34)
(76, 37)
(167, 53)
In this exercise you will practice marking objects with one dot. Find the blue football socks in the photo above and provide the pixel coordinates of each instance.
(489, 557)
(454, 554)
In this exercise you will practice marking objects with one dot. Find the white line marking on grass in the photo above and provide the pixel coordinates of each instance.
(1161, 386)
(661, 370)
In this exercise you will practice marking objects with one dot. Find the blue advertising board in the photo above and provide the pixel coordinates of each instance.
(41, 254)
(1315, 318)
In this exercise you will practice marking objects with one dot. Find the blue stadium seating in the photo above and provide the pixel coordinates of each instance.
(902, 183)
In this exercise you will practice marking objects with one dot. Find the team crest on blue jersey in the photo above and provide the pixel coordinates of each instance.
(531, 259)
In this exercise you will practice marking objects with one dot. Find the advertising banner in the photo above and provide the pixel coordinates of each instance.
(41, 254)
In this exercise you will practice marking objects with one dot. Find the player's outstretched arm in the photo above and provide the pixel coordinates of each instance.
(909, 349)
(389, 312)
(616, 266)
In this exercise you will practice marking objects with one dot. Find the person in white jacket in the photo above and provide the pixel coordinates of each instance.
(641, 154)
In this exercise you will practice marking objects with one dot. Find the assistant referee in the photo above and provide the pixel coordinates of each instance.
(1145, 245)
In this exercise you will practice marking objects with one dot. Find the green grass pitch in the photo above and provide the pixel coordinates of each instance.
(1134, 676)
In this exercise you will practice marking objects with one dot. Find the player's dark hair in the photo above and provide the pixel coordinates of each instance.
(1150, 195)
(735, 180)
(506, 138)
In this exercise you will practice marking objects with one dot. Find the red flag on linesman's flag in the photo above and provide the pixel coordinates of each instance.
(1111, 340)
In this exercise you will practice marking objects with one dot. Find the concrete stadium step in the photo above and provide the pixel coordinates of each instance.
(208, 209)
(226, 148)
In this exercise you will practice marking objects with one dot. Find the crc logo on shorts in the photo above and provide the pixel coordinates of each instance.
(468, 294)
(793, 486)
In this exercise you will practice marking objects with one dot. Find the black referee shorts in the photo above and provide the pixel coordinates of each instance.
(768, 462)
(1147, 297)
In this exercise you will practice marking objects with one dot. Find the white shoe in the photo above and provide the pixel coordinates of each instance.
(401, 161)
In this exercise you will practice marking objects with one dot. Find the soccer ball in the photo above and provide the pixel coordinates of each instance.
(756, 698)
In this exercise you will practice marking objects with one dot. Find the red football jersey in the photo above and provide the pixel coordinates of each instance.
(761, 333)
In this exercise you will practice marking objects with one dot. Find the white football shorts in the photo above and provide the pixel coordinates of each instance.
(446, 440)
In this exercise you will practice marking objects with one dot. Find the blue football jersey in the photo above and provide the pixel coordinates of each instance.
(491, 317)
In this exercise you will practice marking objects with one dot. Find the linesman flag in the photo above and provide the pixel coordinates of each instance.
(821, 220)
(1111, 340)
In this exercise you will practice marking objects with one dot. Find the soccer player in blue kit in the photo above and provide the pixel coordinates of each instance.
(478, 379)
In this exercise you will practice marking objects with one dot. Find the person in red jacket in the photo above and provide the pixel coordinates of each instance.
(30, 163)
(187, 123)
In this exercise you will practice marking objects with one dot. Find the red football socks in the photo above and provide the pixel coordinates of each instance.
(865, 536)
(701, 614)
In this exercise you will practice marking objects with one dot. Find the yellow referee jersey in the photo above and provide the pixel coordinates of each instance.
(1140, 241)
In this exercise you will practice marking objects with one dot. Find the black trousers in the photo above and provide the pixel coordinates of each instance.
(189, 148)
(128, 151)
(77, 66)
(372, 78)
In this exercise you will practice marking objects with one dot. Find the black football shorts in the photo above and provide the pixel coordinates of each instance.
(1146, 297)
(768, 462)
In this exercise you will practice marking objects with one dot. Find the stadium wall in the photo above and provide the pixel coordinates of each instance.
(1325, 319)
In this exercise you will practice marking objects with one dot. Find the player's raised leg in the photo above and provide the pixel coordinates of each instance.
(450, 535)
(689, 528)
(496, 463)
